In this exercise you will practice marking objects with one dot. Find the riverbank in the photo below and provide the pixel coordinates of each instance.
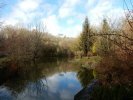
(88, 62)
(114, 75)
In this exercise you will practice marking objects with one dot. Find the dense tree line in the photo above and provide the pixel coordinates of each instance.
(106, 39)
(23, 45)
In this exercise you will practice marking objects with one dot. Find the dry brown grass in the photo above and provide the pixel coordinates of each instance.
(116, 69)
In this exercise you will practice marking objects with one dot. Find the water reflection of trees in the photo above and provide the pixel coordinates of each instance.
(31, 81)
(36, 90)
(85, 75)
(38, 87)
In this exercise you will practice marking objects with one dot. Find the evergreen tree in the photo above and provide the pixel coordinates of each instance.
(105, 42)
(105, 26)
(85, 40)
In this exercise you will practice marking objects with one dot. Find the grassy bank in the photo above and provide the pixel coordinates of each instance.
(86, 61)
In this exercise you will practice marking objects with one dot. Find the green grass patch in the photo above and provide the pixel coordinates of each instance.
(95, 59)
(85, 61)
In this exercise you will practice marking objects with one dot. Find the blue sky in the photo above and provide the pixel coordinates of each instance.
(60, 16)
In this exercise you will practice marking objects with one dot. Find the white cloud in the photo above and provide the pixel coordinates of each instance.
(28, 5)
(104, 8)
(26, 11)
(72, 31)
(52, 24)
(70, 21)
(49, 9)
(23, 12)
(64, 12)
(53, 82)
(66, 95)
(90, 3)
(67, 8)
(116, 13)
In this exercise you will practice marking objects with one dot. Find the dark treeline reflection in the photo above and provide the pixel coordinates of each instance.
(35, 81)
(85, 76)
(59, 79)
(31, 70)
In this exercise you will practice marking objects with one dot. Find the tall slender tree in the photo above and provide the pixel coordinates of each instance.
(105, 42)
(85, 38)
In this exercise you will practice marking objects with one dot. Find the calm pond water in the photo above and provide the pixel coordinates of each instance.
(53, 80)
